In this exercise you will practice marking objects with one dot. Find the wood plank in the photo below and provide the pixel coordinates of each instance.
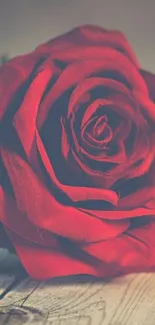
(5, 281)
(128, 300)
(7, 263)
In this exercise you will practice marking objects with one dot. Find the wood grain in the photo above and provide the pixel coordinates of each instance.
(128, 300)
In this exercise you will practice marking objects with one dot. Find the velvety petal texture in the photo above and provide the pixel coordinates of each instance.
(77, 157)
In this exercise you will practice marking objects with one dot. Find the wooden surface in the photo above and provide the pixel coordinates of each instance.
(128, 300)
(81, 300)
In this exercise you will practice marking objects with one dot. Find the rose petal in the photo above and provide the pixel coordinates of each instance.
(98, 155)
(24, 125)
(100, 179)
(17, 222)
(52, 262)
(138, 197)
(45, 212)
(64, 141)
(144, 150)
(78, 70)
(75, 193)
(113, 38)
(133, 249)
(147, 107)
(150, 81)
(92, 82)
(121, 214)
(125, 111)
(131, 252)
(68, 45)
(14, 77)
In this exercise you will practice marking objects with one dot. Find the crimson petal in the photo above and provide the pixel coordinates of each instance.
(45, 212)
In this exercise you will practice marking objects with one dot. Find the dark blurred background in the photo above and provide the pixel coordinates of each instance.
(26, 23)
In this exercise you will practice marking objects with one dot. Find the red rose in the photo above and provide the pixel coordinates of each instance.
(77, 156)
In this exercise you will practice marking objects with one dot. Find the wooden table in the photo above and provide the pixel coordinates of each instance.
(128, 300)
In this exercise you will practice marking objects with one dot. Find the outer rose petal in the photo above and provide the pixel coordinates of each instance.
(54, 262)
(14, 80)
(85, 36)
(131, 252)
(42, 209)
(15, 220)
(150, 81)
(24, 125)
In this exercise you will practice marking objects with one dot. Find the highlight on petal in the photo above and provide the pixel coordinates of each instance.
(64, 141)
